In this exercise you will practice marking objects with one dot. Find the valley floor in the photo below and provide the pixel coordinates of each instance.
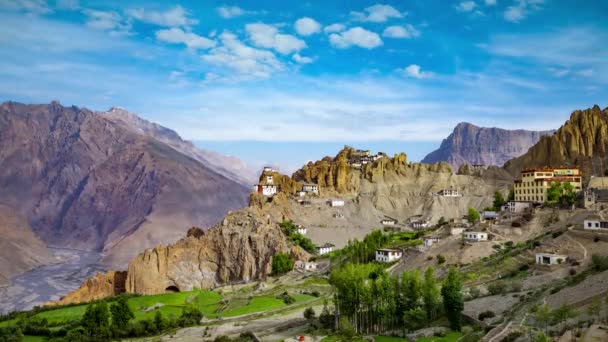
(49, 282)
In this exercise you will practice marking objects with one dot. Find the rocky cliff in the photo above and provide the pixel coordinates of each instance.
(483, 146)
(20, 249)
(84, 181)
(102, 285)
(582, 141)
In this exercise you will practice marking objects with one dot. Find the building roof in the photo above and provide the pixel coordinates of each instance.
(388, 250)
(326, 245)
(472, 232)
(552, 255)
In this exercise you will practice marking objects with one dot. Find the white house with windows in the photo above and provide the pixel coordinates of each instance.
(489, 215)
(269, 169)
(308, 266)
(388, 255)
(516, 207)
(451, 192)
(265, 189)
(301, 230)
(431, 240)
(595, 222)
(421, 224)
(269, 179)
(336, 203)
(388, 222)
(324, 249)
(550, 259)
(310, 188)
(475, 236)
(301, 193)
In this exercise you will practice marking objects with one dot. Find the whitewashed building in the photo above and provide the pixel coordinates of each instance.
(265, 189)
(301, 230)
(489, 215)
(308, 266)
(388, 255)
(475, 236)
(421, 224)
(269, 169)
(336, 203)
(550, 259)
(301, 193)
(430, 241)
(451, 192)
(310, 188)
(516, 207)
(388, 222)
(595, 222)
(324, 249)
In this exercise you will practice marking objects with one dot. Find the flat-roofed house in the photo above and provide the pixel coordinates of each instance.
(388, 221)
(475, 236)
(311, 188)
(336, 203)
(388, 255)
(550, 259)
(431, 240)
(325, 248)
(451, 192)
(489, 215)
(595, 222)
(306, 265)
(265, 189)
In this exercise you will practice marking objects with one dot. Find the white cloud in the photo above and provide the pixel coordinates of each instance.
(397, 31)
(178, 36)
(68, 4)
(377, 13)
(228, 12)
(173, 17)
(302, 59)
(268, 36)
(466, 6)
(586, 73)
(107, 21)
(490, 2)
(247, 61)
(306, 26)
(29, 6)
(356, 36)
(521, 9)
(414, 70)
(334, 28)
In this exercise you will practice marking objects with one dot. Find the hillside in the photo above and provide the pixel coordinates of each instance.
(20, 249)
(582, 141)
(475, 145)
(85, 182)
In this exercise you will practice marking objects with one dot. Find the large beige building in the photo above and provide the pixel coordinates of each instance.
(534, 183)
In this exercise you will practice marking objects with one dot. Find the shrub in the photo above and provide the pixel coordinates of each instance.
(516, 224)
(11, 334)
(190, 316)
(572, 271)
(316, 293)
(486, 314)
(599, 263)
(309, 314)
(474, 292)
(287, 299)
(596, 239)
(497, 287)
(440, 259)
(281, 263)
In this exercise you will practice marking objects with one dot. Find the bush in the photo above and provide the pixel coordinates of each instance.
(190, 316)
(287, 299)
(281, 263)
(516, 224)
(474, 292)
(440, 259)
(11, 334)
(599, 263)
(572, 271)
(316, 293)
(486, 314)
(309, 314)
(497, 287)
(596, 239)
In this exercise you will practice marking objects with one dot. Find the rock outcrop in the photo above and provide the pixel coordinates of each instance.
(582, 142)
(20, 249)
(102, 285)
(84, 181)
(483, 146)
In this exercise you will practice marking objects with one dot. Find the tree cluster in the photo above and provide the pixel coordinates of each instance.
(561, 193)
(281, 264)
(373, 302)
(291, 231)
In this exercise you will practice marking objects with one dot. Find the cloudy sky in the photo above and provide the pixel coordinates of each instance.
(289, 81)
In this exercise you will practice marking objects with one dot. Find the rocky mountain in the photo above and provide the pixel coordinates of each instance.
(582, 141)
(85, 181)
(483, 146)
(229, 166)
(20, 249)
(239, 249)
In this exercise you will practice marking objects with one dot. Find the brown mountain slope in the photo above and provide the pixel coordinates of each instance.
(85, 182)
(20, 249)
(475, 145)
(582, 141)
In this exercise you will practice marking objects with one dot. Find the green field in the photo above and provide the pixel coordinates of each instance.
(256, 304)
(449, 337)
(33, 339)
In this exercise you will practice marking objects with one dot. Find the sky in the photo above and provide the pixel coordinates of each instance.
(285, 82)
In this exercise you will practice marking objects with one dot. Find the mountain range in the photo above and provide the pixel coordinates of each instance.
(108, 182)
(475, 145)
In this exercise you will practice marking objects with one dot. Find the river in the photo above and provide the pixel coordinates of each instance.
(50, 282)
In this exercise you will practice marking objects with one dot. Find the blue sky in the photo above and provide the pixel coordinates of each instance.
(289, 81)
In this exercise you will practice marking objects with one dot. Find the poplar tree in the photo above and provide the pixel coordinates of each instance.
(451, 291)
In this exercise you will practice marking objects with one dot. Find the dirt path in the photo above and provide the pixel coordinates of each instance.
(501, 333)
(580, 244)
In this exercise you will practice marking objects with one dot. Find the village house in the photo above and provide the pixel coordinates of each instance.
(308, 266)
(336, 203)
(339, 215)
(516, 207)
(388, 255)
(595, 222)
(475, 236)
(429, 241)
(310, 188)
(269, 179)
(305, 203)
(269, 169)
(534, 183)
(301, 193)
(388, 221)
(324, 249)
(422, 224)
(550, 259)
(451, 192)
(301, 230)
(265, 189)
(489, 215)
